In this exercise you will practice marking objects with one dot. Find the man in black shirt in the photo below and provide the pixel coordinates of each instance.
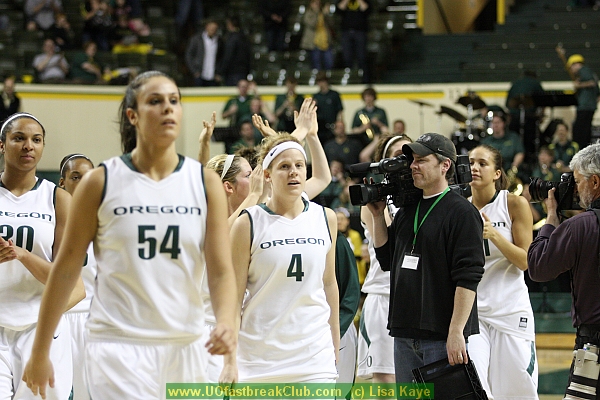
(434, 250)
(10, 102)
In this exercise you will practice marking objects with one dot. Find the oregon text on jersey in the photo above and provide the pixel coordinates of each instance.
(32, 214)
(157, 210)
(283, 242)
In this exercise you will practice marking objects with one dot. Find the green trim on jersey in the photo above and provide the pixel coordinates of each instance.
(37, 184)
(54, 197)
(531, 366)
(363, 329)
(306, 203)
(102, 165)
(251, 226)
(128, 161)
(327, 224)
(201, 175)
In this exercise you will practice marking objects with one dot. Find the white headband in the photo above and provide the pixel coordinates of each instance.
(227, 165)
(71, 158)
(19, 115)
(280, 148)
(390, 142)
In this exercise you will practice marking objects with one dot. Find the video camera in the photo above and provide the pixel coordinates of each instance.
(565, 194)
(398, 184)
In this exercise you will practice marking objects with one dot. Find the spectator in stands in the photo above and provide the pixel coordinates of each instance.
(370, 121)
(343, 200)
(186, 10)
(368, 124)
(586, 92)
(247, 138)
(98, 23)
(316, 37)
(354, 32)
(544, 169)
(341, 147)
(237, 108)
(85, 68)
(329, 107)
(40, 13)
(257, 107)
(507, 142)
(275, 14)
(235, 64)
(520, 94)
(335, 187)
(286, 104)
(11, 103)
(49, 65)
(354, 239)
(61, 32)
(203, 54)
(128, 26)
(563, 146)
(399, 127)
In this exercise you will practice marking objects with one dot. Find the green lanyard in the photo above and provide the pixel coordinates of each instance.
(417, 227)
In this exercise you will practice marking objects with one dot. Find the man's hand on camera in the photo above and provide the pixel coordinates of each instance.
(552, 207)
(377, 208)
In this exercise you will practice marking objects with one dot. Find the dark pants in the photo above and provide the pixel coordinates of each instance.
(582, 127)
(204, 82)
(586, 335)
(415, 353)
(275, 36)
(354, 47)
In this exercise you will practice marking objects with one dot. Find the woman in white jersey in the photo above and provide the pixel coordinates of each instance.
(245, 187)
(157, 220)
(285, 258)
(504, 350)
(72, 168)
(32, 219)
(375, 345)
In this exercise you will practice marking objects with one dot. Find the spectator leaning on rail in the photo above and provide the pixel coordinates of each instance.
(435, 254)
(573, 246)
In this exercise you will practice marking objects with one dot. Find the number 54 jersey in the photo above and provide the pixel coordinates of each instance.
(285, 334)
(149, 251)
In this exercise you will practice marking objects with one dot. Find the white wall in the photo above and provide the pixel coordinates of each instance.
(83, 119)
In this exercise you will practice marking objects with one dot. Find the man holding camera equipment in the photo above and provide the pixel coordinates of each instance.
(434, 251)
(574, 246)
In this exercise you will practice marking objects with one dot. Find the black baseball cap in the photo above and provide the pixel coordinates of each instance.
(431, 143)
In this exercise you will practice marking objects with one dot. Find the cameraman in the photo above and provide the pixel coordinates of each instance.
(435, 253)
(573, 246)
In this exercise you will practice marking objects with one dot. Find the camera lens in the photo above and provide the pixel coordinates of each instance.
(538, 189)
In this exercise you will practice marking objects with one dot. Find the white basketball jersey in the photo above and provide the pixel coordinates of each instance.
(149, 252)
(88, 274)
(29, 220)
(285, 333)
(377, 280)
(502, 296)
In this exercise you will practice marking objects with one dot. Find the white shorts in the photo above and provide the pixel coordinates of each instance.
(122, 370)
(506, 364)
(215, 363)
(375, 345)
(15, 351)
(346, 365)
(76, 322)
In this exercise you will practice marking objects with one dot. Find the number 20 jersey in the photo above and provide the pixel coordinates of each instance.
(285, 333)
(29, 221)
(149, 253)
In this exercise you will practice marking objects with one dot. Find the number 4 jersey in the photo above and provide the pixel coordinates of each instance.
(285, 334)
(149, 252)
(29, 221)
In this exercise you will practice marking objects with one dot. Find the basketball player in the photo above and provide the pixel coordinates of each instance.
(285, 258)
(32, 220)
(72, 168)
(157, 220)
(504, 350)
(375, 345)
